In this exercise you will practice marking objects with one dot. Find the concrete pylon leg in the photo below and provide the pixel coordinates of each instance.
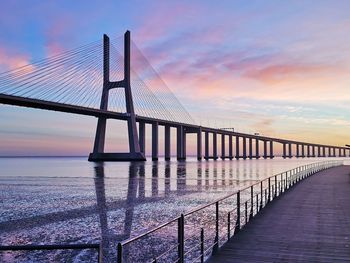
(223, 154)
(230, 150)
(215, 146)
(297, 150)
(199, 144)
(206, 145)
(265, 149)
(250, 142)
(237, 147)
(284, 151)
(271, 150)
(142, 137)
(244, 148)
(290, 150)
(155, 141)
(257, 154)
(179, 142)
(167, 137)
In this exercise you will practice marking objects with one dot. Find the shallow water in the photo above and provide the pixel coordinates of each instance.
(69, 200)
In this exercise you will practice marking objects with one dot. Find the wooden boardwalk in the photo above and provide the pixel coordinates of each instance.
(309, 223)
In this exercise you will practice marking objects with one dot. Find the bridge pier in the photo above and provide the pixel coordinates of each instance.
(134, 153)
(199, 144)
(180, 143)
(142, 138)
(284, 151)
(244, 148)
(206, 145)
(223, 154)
(297, 150)
(271, 150)
(215, 146)
(303, 151)
(290, 150)
(265, 149)
(167, 136)
(319, 151)
(155, 141)
(230, 150)
(237, 147)
(250, 141)
(323, 151)
(308, 150)
(257, 154)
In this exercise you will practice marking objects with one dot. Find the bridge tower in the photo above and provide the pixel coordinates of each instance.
(134, 153)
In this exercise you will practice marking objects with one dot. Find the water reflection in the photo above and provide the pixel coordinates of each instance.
(65, 204)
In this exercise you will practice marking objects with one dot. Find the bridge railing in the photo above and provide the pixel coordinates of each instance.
(96, 246)
(195, 235)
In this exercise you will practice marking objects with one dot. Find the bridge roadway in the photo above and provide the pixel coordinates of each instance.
(309, 223)
(190, 128)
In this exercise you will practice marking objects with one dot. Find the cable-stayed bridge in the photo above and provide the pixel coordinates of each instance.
(97, 80)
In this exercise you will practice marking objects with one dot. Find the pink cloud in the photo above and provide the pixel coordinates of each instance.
(9, 60)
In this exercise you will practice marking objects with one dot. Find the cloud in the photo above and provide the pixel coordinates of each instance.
(9, 60)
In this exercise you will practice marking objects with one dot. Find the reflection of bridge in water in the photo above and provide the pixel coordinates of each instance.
(145, 185)
(71, 82)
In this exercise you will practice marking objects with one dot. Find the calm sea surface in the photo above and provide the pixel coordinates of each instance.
(70, 200)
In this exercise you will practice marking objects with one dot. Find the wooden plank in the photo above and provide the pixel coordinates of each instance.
(309, 223)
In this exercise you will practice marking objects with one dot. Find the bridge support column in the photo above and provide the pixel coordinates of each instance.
(334, 155)
(297, 150)
(167, 136)
(206, 145)
(237, 147)
(244, 148)
(199, 144)
(319, 151)
(265, 149)
(344, 153)
(155, 141)
(223, 154)
(142, 139)
(271, 150)
(257, 154)
(290, 150)
(308, 150)
(230, 150)
(250, 141)
(134, 153)
(313, 151)
(323, 151)
(179, 142)
(215, 146)
(284, 151)
(303, 150)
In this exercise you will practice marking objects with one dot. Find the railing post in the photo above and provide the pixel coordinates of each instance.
(202, 245)
(238, 223)
(261, 193)
(216, 247)
(100, 253)
(275, 185)
(269, 190)
(228, 225)
(246, 212)
(251, 202)
(181, 238)
(257, 204)
(120, 253)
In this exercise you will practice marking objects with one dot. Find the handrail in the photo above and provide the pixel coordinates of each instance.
(97, 246)
(278, 185)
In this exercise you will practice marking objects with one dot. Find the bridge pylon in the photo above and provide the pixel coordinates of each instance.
(134, 153)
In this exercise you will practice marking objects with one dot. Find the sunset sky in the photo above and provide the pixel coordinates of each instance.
(280, 68)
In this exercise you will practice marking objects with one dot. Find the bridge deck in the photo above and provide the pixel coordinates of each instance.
(309, 223)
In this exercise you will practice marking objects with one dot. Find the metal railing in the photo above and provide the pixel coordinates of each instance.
(97, 246)
(228, 216)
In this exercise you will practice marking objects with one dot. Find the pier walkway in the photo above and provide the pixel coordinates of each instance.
(309, 223)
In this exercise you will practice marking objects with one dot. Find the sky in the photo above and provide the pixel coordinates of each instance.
(280, 68)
